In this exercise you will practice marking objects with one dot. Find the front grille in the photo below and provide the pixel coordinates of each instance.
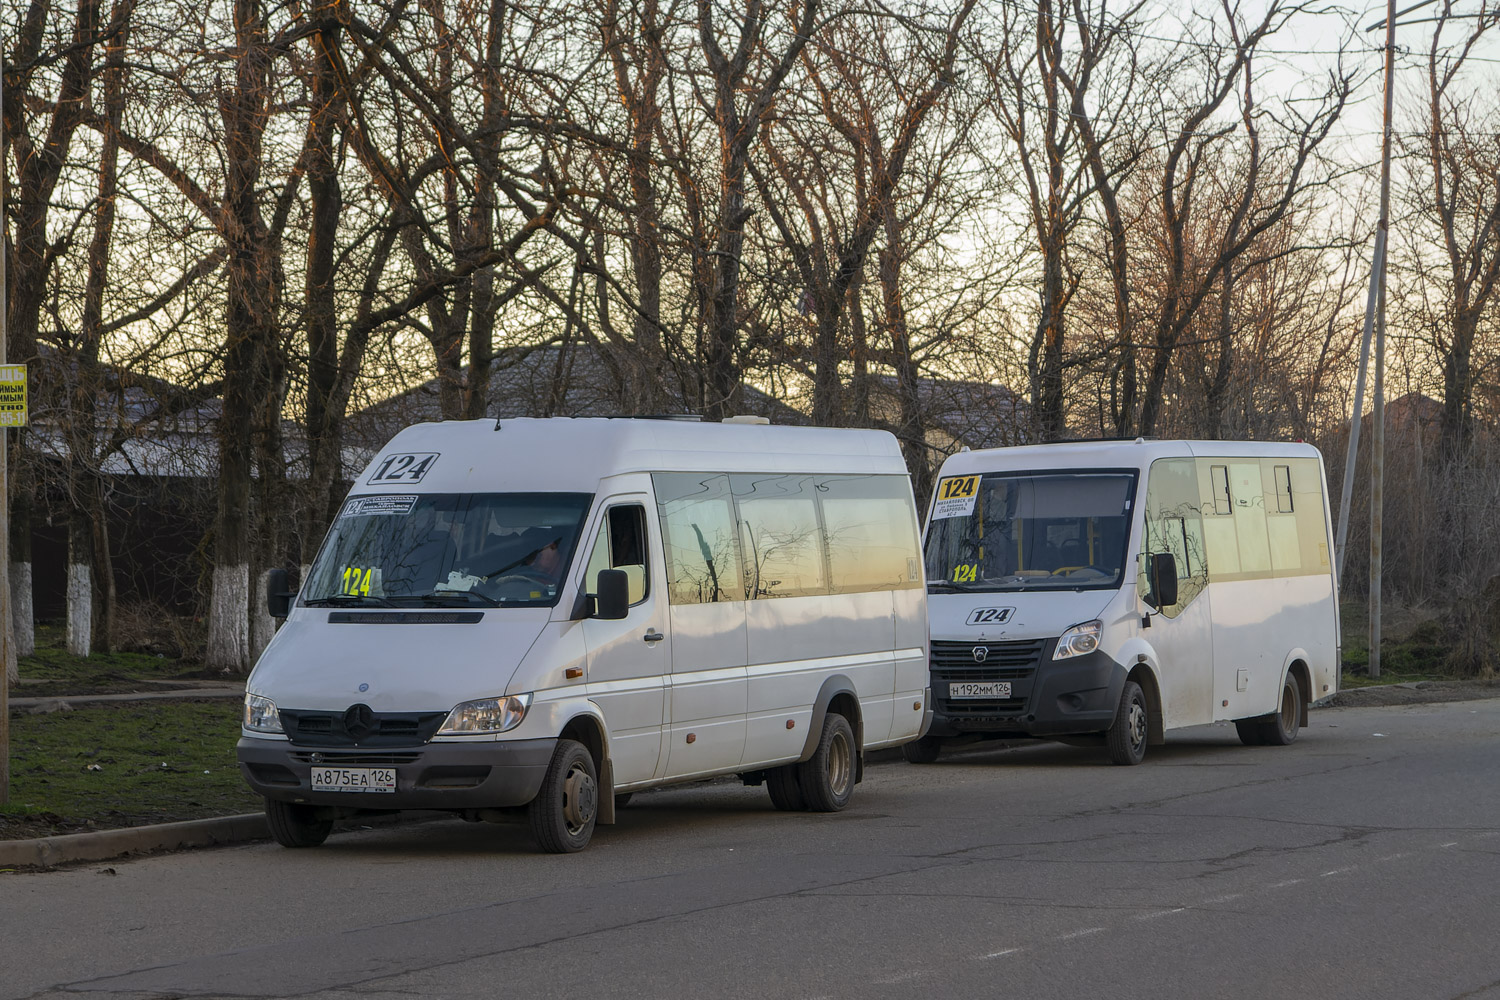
(355, 759)
(375, 729)
(1022, 655)
(1015, 662)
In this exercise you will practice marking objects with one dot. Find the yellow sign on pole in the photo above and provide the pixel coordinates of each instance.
(12, 395)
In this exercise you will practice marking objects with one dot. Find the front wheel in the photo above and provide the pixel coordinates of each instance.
(296, 825)
(827, 778)
(1126, 737)
(922, 751)
(563, 813)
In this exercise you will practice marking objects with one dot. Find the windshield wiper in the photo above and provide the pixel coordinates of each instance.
(333, 600)
(966, 588)
(446, 596)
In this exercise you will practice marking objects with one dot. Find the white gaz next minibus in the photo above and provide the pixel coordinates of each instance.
(536, 618)
(1105, 592)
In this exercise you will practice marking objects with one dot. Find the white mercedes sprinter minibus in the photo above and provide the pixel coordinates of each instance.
(1105, 592)
(536, 618)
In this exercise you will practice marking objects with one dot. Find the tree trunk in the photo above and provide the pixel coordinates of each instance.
(22, 606)
(80, 585)
(249, 331)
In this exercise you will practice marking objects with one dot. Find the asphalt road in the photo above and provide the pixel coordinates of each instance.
(1363, 861)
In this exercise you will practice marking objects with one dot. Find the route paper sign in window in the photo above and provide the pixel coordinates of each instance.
(955, 496)
(12, 395)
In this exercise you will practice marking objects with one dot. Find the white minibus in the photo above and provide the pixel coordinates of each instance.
(1106, 592)
(533, 619)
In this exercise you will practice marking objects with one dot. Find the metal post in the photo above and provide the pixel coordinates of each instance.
(7, 636)
(1377, 415)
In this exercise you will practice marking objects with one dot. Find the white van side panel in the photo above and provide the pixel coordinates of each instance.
(1254, 622)
(912, 675)
(798, 642)
(708, 688)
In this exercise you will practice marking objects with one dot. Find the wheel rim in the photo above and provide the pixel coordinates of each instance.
(580, 799)
(1137, 724)
(1288, 709)
(840, 764)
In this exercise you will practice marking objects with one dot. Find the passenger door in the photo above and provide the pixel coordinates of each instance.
(1181, 634)
(628, 660)
(709, 688)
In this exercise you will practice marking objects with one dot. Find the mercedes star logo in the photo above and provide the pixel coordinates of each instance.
(359, 722)
(980, 652)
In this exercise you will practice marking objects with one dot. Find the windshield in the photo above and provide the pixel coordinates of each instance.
(1029, 531)
(480, 549)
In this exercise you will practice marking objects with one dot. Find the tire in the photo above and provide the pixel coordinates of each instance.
(922, 751)
(1127, 735)
(296, 825)
(1250, 732)
(623, 799)
(563, 814)
(785, 789)
(827, 778)
(1279, 729)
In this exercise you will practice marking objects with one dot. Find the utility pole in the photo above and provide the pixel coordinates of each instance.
(1374, 323)
(7, 635)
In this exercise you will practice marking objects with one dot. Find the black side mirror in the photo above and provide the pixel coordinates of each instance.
(612, 603)
(278, 599)
(1163, 579)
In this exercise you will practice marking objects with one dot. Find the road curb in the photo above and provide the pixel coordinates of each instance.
(46, 852)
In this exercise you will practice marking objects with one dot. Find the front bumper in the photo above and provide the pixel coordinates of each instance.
(487, 775)
(1050, 697)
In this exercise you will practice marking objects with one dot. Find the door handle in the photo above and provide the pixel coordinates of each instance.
(653, 636)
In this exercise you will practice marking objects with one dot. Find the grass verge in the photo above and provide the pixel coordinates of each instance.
(126, 764)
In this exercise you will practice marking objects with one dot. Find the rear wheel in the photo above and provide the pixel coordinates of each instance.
(563, 813)
(1249, 730)
(296, 825)
(786, 791)
(1280, 727)
(922, 751)
(827, 778)
(1126, 737)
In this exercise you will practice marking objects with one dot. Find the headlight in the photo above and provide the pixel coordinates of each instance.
(1078, 640)
(261, 715)
(489, 715)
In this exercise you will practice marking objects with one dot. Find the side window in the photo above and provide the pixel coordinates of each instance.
(699, 538)
(1219, 475)
(621, 544)
(871, 533)
(781, 535)
(1174, 524)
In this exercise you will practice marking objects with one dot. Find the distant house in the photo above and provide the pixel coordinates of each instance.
(549, 382)
(957, 413)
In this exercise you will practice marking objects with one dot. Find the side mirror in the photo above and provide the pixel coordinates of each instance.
(612, 603)
(1163, 579)
(278, 599)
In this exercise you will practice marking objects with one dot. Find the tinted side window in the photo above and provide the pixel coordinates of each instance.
(699, 538)
(781, 534)
(871, 533)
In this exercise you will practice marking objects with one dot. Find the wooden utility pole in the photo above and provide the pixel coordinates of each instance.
(7, 636)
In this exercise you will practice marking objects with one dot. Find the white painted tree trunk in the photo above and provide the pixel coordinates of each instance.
(262, 625)
(80, 608)
(22, 613)
(229, 619)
